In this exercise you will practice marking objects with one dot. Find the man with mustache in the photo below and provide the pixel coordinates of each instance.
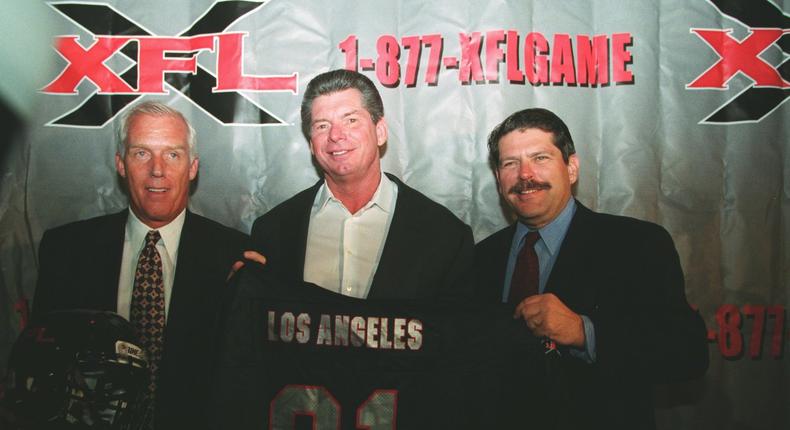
(604, 293)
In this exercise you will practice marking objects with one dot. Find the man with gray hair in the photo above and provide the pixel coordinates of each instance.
(359, 231)
(156, 263)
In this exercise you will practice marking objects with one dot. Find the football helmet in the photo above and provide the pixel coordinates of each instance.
(78, 369)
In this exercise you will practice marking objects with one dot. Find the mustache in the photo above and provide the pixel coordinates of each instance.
(526, 185)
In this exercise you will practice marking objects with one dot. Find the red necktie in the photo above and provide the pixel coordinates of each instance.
(526, 274)
(147, 311)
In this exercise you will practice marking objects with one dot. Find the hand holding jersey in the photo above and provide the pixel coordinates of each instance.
(251, 256)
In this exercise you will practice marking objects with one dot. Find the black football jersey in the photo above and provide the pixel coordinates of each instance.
(299, 356)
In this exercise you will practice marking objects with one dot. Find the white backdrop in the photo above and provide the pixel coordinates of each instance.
(708, 161)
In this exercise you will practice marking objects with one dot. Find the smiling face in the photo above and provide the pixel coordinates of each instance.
(532, 176)
(344, 140)
(156, 167)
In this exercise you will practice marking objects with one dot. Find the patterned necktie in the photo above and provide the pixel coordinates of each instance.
(147, 313)
(526, 274)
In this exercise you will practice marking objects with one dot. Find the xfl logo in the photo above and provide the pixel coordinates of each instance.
(770, 87)
(159, 64)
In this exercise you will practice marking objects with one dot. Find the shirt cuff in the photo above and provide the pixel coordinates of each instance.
(588, 352)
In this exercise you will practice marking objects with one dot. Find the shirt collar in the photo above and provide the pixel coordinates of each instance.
(553, 233)
(382, 198)
(136, 231)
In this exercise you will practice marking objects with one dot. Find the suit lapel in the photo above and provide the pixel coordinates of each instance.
(571, 268)
(186, 289)
(389, 279)
(387, 274)
(496, 265)
(107, 254)
(294, 233)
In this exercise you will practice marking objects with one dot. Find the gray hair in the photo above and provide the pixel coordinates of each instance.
(335, 81)
(154, 109)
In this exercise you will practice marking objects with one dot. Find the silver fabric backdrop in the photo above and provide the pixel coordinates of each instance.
(721, 189)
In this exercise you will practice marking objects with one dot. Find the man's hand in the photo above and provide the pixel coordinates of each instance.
(547, 316)
(253, 256)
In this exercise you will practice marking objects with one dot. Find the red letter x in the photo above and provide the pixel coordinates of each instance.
(471, 69)
(739, 57)
(88, 64)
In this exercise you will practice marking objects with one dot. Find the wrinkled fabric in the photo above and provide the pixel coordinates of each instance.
(721, 190)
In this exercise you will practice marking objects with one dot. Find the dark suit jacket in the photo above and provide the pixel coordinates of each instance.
(79, 268)
(427, 254)
(626, 276)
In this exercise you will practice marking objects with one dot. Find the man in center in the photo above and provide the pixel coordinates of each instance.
(359, 231)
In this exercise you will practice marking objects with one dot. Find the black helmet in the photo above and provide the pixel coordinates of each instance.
(77, 369)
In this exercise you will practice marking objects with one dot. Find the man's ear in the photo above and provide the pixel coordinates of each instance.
(573, 168)
(381, 132)
(119, 166)
(193, 168)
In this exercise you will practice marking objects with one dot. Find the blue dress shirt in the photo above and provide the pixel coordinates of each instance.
(547, 248)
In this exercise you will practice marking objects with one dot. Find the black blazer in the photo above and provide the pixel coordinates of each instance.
(625, 275)
(79, 266)
(428, 251)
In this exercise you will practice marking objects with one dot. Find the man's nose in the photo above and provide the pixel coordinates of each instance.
(157, 166)
(336, 132)
(525, 170)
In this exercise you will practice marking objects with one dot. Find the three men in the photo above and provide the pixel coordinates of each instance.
(157, 264)
(358, 231)
(605, 291)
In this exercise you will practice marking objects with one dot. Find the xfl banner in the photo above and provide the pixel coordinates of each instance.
(677, 108)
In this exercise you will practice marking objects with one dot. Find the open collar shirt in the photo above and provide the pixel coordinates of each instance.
(344, 249)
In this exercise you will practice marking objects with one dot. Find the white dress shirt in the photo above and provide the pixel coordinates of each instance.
(344, 249)
(133, 243)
